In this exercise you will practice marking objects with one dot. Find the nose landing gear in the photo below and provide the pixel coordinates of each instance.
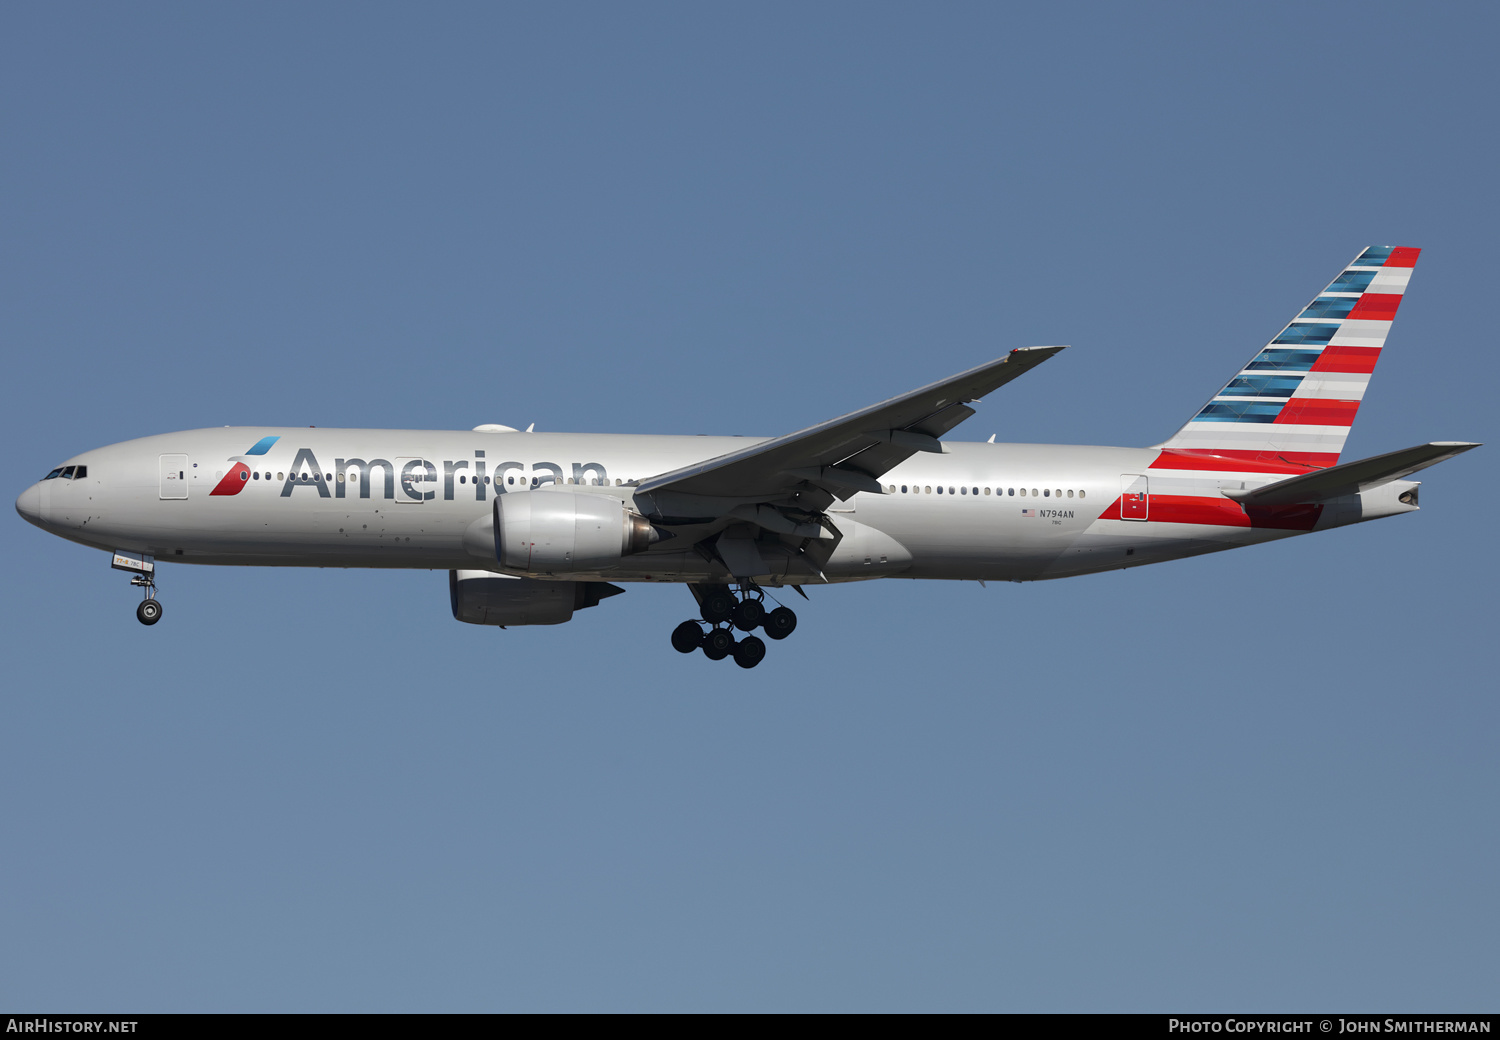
(142, 576)
(723, 611)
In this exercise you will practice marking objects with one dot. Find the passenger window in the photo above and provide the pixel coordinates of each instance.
(1046, 492)
(986, 491)
(929, 489)
(1080, 494)
(963, 491)
(903, 489)
(1011, 492)
(244, 475)
(1023, 492)
(940, 489)
(280, 477)
(1033, 492)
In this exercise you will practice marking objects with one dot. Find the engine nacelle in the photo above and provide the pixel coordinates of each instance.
(561, 532)
(487, 598)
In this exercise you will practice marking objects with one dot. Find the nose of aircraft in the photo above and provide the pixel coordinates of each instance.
(29, 505)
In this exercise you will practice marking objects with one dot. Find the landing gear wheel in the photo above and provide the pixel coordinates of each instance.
(149, 612)
(749, 652)
(717, 606)
(687, 637)
(748, 614)
(779, 623)
(718, 643)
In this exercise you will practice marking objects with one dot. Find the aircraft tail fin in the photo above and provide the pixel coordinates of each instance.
(1297, 397)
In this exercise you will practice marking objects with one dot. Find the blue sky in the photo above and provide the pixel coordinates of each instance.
(1256, 780)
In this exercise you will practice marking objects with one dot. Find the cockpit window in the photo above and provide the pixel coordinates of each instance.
(82, 472)
(67, 474)
(54, 474)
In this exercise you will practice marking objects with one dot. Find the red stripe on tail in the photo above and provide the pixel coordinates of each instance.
(1374, 306)
(1221, 512)
(1312, 411)
(1241, 462)
(1347, 359)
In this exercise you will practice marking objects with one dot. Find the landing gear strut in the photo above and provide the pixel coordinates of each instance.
(722, 612)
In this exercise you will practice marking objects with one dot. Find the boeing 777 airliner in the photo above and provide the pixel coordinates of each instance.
(534, 526)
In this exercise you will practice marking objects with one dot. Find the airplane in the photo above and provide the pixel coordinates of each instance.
(533, 527)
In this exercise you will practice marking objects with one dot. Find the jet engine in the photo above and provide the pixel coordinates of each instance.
(559, 532)
(487, 598)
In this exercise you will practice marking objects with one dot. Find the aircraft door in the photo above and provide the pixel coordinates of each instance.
(172, 476)
(1135, 496)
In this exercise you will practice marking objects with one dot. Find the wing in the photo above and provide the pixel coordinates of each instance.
(848, 454)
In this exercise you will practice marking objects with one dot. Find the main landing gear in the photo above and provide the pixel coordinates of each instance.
(724, 611)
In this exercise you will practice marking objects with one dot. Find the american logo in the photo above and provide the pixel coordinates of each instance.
(235, 479)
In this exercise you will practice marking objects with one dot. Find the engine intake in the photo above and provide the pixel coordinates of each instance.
(561, 532)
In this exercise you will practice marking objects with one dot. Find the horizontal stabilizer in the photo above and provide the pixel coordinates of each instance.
(1350, 478)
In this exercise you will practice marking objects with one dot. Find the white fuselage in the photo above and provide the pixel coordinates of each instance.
(419, 498)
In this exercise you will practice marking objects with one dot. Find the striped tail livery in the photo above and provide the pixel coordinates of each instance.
(1296, 399)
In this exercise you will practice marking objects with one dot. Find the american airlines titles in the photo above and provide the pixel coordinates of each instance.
(411, 474)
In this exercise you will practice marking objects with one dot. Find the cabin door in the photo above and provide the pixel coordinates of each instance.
(172, 476)
(1135, 496)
